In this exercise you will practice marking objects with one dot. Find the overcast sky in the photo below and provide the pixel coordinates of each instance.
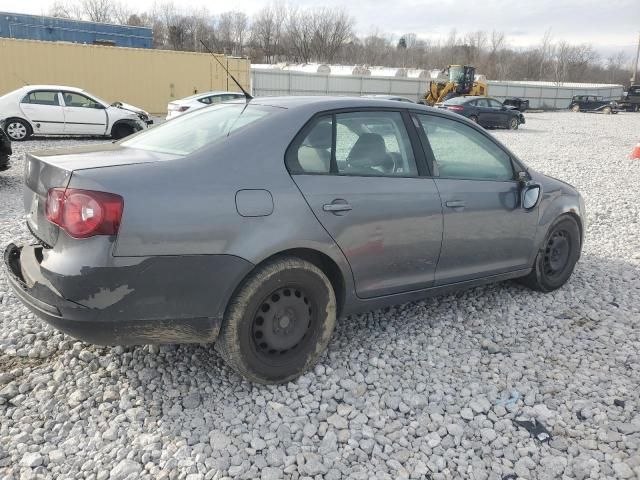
(609, 26)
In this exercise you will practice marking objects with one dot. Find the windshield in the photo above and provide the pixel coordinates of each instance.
(193, 131)
(456, 73)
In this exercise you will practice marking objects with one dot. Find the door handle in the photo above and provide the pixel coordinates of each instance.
(455, 204)
(337, 207)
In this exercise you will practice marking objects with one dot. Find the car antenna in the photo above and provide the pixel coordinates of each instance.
(246, 94)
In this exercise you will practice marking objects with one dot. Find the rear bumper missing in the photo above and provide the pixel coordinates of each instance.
(143, 309)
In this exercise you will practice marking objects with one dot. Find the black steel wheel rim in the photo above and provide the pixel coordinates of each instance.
(282, 322)
(557, 253)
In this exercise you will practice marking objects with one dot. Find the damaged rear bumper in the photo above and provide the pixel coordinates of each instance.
(149, 300)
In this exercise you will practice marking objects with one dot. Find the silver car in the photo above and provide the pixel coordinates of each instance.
(256, 224)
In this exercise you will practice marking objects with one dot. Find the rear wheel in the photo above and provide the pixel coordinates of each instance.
(557, 258)
(18, 129)
(513, 123)
(575, 108)
(473, 118)
(279, 322)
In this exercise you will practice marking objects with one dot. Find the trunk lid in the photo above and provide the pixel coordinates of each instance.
(53, 168)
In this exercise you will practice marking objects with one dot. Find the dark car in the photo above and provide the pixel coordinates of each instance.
(485, 111)
(520, 104)
(630, 100)
(256, 224)
(592, 103)
(5, 148)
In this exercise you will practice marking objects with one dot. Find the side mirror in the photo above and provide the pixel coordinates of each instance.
(531, 196)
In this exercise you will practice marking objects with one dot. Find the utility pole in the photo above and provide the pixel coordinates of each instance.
(635, 64)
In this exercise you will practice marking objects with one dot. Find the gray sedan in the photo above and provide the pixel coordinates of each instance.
(256, 224)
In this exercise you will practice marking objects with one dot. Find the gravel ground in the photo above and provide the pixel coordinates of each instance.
(451, 387)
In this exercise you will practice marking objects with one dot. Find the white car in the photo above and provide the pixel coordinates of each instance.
(59, 110)
(200, 100)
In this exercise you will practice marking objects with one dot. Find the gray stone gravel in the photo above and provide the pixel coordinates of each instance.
(424, 390)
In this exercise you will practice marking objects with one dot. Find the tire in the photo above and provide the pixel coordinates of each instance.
(575, 108)
(121, 131)
(473, 118)
(17, 129)
(514, 123)
(552, 268)
(263, 335)
(607, 110)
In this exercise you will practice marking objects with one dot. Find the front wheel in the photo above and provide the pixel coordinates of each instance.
(279, 321)
(17, 129)
(557, 258)
(513, 123)
(607, 110)
(575, 108)
(121, 131)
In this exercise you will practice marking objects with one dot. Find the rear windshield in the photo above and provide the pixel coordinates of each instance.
(456, 101)
(193, 131)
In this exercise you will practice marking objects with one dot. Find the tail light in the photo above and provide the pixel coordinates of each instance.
(183, 109)
(84, 213)
(457, 108)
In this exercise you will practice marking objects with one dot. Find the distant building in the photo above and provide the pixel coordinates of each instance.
(52, 29)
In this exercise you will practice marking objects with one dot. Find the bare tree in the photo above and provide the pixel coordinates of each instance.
(121, 13)
(300, 35)
(98, 10)
(331, 29)
(65, 9)
(268, 30)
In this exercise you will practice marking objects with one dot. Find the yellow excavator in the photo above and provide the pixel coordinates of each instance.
(454, 81)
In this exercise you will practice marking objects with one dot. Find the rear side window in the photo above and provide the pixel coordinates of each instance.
(462, 152)
(189, 133)
(365, 144)
(42, 97)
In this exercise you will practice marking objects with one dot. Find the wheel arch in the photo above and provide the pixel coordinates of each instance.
(16, 117)
(551, 216)
(125, 121)
(321, 260)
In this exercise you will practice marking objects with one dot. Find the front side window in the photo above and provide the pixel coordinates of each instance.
(462, 152)
(188, 133)
(483, 103)
(494, 104)
(42, 97)
(72, 99)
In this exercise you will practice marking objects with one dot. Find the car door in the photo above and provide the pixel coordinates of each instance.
(500, 116)
(359, 173)
(43, 109)
(486, 230)
(83, 115)
(486, 116)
